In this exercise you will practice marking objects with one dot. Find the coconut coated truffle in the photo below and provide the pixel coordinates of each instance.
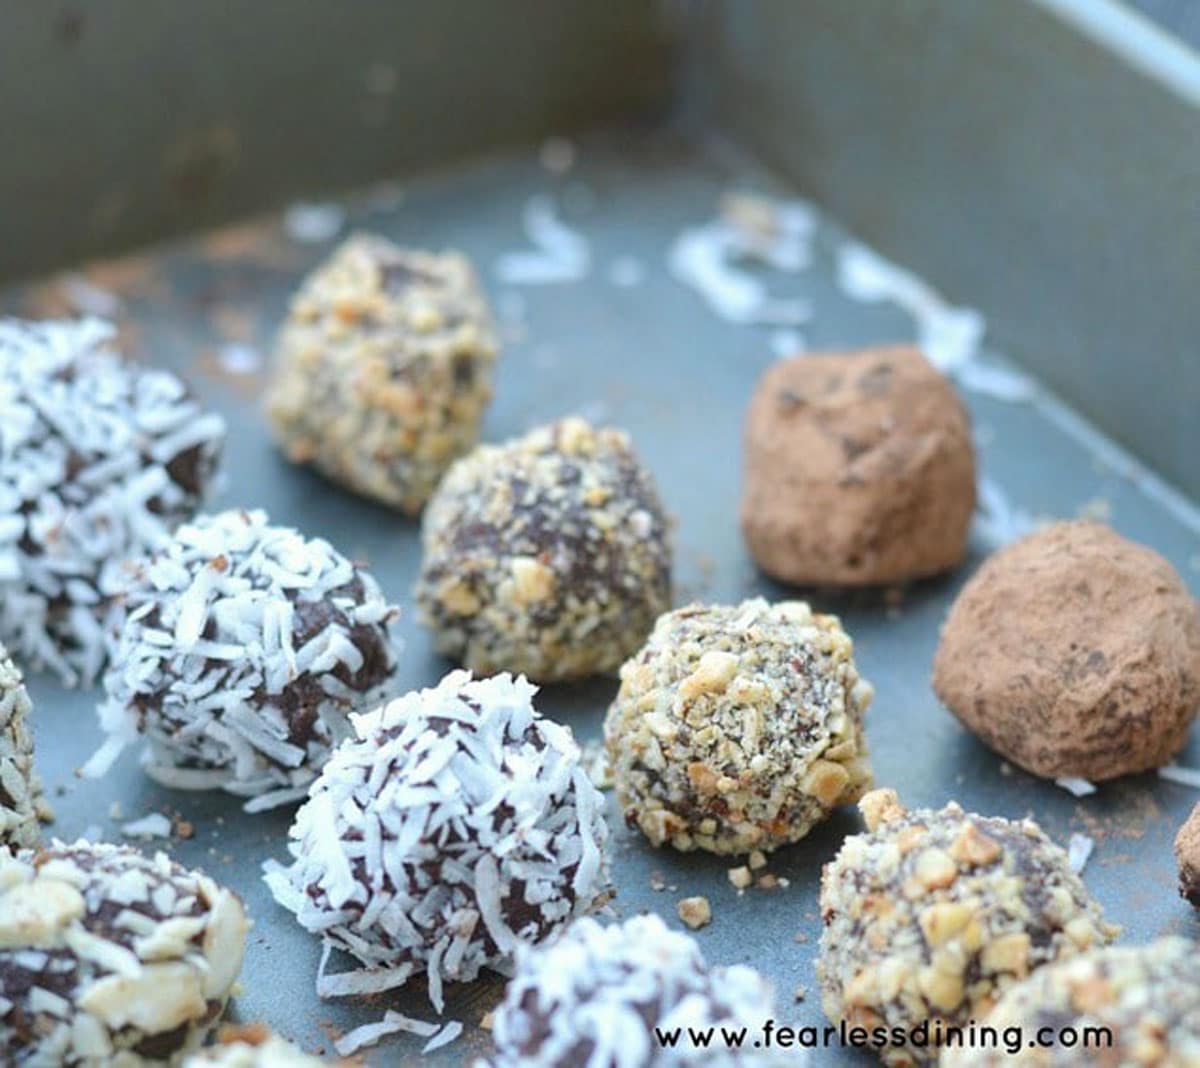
(549, 555)
(383, 369)
(100, 460)
(109, 959)
(239, 653)
(738, 727)
(1074, 652)
(931, 916)
(1148, 997)
(457, 825)
(593, 997)
(859, 470)
(251, 1047)
(21, 803)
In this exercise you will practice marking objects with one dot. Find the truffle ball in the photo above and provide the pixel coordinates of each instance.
(21, 802)
(738, 727)
(455, 826)
(595, 996)
(859, 470)
(251, 1047)
(549, 555)
(383, 369)
(109, 959)
(100, 460)
(1074, 652)
(1147, 997)
(239, 652)
(1187, 856)
(930, 916)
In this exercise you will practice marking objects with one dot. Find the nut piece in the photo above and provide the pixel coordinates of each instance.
(740, 877)
(695, 912)
(933, 915)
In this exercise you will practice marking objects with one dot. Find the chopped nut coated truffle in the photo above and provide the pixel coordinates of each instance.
(549, 555)
(1075, 653)
(109, 959)
(384, 369)
(931, 916)
(859, 469)
(738, 728)
(21, 802)
(1124, 1007)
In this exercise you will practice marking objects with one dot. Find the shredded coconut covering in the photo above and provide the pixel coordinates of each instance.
(457, 825)
(99, 461)
(592, 998)
(239, 653)
(109, 959)
(20, 788)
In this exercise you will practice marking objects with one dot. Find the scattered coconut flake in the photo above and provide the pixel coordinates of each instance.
(559, 254)
(152, 825)
(87, 298)
(707, 258)
(239, 359)
(311, 223)
(1079, 849)
(557, 155)
(626, 272)
(949, 336)
(992, 380)
(1075, 786)
(393, 1023)
(785, 342)
(997, 521)
(444, 1037)
(1178, 774)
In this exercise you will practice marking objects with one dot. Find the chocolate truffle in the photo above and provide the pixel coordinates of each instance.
(109, 959)
(859, 470)
(1074, 653)
(595, 995)
(931, 916)
(251, 1047)
(239, 653)
(1146, 997)
(1187, 856)
(455, 826)
(383, 369)
(21, 802)
(549, 555)
(738, 727)
(100, 460)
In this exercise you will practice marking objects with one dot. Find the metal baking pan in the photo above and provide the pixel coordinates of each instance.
(637, 348)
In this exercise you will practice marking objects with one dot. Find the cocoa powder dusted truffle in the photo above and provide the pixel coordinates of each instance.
(549, 555)
(1187, 856)
(239, 653)
(457, 825)
(1120, 1007)
(21, 802)
(930, 916)
(859, 470)
(1074, 652)
(738, 727)
(251, 1047)
(595, 996)
(384, 369)
(100, 460)
(109, 959)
